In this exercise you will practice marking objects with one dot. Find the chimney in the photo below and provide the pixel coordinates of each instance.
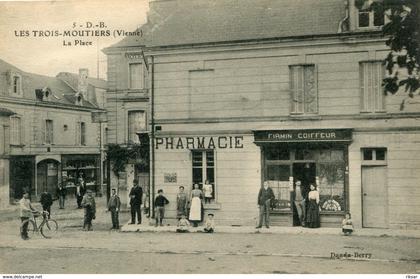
(82, 85)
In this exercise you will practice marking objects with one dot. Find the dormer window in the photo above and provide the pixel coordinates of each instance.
(79, 99)
(16, 85)
(369, 18)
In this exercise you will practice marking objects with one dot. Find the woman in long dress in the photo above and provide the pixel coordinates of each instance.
(312, 214)
(181, 203)
(196, 206)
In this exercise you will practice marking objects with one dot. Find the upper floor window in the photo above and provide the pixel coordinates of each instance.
(82, 133)
(49, 132)
(16, 130)
(371, 91)
(367, 18)
(303, 88)
(136, 124)
(136, 76)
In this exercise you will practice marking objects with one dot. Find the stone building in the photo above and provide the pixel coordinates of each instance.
(277, 91)
(52, 137)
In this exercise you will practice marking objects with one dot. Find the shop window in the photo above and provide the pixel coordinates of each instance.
(367, 18)
(49, 132)
(136, 124)
(371, 91)
(15, 130)
(277, 176)
(275, 153)
(374, 156)
(203, 165)
(304, 91)
(136, 76)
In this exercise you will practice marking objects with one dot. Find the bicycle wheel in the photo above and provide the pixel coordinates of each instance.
(49, 228)
(30, 231)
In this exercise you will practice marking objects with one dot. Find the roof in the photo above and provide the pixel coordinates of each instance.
(185, 22)
(72, 80)
(30, 82)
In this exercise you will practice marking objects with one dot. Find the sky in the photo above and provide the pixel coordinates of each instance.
(22, 46)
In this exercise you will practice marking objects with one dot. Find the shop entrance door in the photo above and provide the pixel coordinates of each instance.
(47, 176)
(374, 191)
(306, 173)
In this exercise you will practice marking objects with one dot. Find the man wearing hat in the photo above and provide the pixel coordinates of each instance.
(89, 205)
(114, 207)
(136, 195)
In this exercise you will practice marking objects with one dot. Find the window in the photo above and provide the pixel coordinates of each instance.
(82, 133)
(203, 166)
(49, 133)
(371, 91)
(136, 124)
(373, 155)
(136, 76)
(369, 18)
(303, 87)
(16, 130)
(16, 85)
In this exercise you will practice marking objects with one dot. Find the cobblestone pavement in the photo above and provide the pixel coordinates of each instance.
(104, 251)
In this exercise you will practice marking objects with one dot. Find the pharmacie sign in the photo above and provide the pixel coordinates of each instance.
(220, 142)
(312, 135)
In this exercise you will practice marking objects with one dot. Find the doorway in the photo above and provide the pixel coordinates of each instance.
(47, 176)
(306, 173)
(374, 196)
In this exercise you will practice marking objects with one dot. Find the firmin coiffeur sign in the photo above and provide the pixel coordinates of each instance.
(311, 135)
(220, 142)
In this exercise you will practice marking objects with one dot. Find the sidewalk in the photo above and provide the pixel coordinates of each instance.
(277, 230)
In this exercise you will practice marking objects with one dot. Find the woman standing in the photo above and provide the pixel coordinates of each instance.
(312, 215)
(181, 203)
(196, 211)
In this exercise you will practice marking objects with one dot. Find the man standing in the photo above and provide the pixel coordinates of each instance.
(136, 194)
(61, 193)
(46, 202)
(264, 198)
(300, 203)
(80, 192)
(114, 207)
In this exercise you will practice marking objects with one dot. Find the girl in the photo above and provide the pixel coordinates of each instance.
(347, 224)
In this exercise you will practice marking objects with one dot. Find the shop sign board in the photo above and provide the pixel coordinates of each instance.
(309, 135)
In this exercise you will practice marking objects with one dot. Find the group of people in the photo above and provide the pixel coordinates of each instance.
(306, 204)
(191, 206)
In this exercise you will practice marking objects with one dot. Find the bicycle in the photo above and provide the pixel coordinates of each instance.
(48, 227)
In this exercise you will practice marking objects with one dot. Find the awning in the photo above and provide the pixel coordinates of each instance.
(305, 135)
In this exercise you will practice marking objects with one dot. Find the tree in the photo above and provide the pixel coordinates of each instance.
(402, 31)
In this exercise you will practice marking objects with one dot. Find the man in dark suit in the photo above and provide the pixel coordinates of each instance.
(265, 196)
(136, 195)
(46, 202)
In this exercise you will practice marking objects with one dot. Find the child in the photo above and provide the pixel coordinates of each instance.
(209, 225)
(88, 202)
(347, 224)
(208, 192)
(160, 202)
(183, 225)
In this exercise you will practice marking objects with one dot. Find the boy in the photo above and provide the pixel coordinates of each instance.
(183, 225)
(209, 225)
(114, 207)
(26, 211)
(89, 204)
(160, 202)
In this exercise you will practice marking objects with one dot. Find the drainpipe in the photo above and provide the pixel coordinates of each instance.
(152, 118)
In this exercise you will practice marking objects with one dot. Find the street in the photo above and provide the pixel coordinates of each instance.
(105, 251)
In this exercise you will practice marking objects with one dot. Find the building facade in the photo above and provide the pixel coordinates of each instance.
(52, 137)
(278, 91)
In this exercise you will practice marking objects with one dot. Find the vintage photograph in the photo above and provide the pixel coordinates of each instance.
(209, 137)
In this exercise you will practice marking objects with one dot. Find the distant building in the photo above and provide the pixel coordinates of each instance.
(278, 91)
(52, 137)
